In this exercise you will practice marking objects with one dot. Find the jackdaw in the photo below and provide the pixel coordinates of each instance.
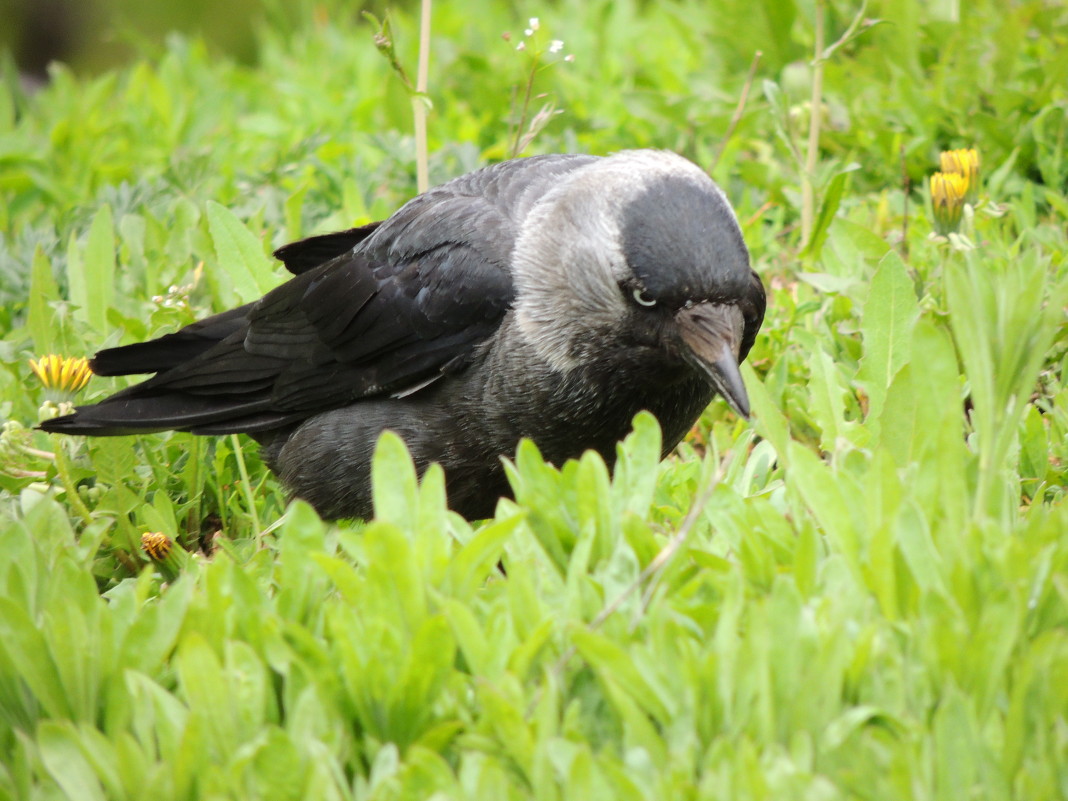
(550, 297)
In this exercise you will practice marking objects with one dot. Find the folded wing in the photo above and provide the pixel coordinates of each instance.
(394, 307)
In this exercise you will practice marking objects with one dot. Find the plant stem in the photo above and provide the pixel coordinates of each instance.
(63, 471)
(906, 187)
(808, 193)
(738, 110)
(526, 107)
(192, 518)
(245, 485)
(422, 169)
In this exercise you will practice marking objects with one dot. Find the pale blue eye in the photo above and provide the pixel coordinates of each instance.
(643, 298)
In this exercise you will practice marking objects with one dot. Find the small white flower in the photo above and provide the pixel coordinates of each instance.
(569, 57)
(556, 45)
(534, 23)
(528, 32)
(521, 46)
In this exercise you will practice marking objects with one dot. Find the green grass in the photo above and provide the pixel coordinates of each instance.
(863, 594)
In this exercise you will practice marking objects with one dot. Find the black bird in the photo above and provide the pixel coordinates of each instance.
(551, 297)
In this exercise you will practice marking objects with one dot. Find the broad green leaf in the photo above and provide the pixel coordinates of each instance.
(91, 272)
(826, 500)
(889, 314)
(240, 254)
(470, 566)
(208, 692)
(40, 318)
(637, 464)
(832, 199)
(153, 634)
(28, 650)
(610, 661)
(769, 419)
(825, 400)
(64, 760)
(395, 488)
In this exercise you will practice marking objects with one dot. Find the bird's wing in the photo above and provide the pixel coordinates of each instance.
(306, 254)
(408, 304)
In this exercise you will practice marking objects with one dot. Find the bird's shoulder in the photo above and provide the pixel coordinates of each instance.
(438, 265)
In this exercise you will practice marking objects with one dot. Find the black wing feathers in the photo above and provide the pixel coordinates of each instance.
(306, 254)
(172, 349)
(384, 309)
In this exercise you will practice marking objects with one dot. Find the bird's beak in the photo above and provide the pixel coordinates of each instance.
(712, 333)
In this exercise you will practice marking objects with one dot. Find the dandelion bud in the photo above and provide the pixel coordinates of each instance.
(965, 163)
(163, 552)
(947, 201)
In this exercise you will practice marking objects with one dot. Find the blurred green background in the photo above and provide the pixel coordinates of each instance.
(93, 35)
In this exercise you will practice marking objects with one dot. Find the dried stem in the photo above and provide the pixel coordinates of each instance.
(738, 110)
(808, 193)
(526, 107)
(422, 169)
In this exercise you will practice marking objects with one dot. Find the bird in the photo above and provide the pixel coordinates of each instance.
(551, 298)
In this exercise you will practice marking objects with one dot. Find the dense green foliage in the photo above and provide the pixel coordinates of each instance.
(862, 594)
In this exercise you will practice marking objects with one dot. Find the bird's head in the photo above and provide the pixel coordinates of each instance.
(639, 252)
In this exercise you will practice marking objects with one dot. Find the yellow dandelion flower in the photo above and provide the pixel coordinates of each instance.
(947, 200)
(63, 376)
(169, 557)
(964, 162)
(157, 545)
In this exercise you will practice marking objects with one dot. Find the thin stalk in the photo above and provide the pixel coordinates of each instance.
(192, 518)
(246, 486)
(808, 192)
(526, 107)
(906, 187)
(738, 110)
(37, 453)
(63, 471)
(422, 168)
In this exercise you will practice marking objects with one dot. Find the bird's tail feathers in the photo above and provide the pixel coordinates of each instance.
(124, 414)
(170, 350)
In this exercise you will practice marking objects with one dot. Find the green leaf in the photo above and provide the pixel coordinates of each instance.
(40, 318)
(769, 420)
(240, 254)
(832, 199)
(91, 274)
(826, 499)
(469, 567)
(28, 650)
(394, 484)
(612, 662)
(886, 328)
(637, 465)
(208, 693)
(825, 400)
(64, 760)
